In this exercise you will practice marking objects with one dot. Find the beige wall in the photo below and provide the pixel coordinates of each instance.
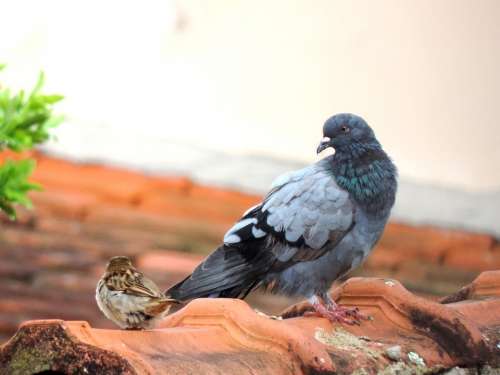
(261, 76)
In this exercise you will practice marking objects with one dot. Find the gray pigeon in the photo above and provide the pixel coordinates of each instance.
(314, 226)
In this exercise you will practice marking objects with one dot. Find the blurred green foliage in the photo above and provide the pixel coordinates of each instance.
(25, 121)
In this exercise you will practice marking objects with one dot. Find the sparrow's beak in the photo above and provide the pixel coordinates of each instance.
(325, 143)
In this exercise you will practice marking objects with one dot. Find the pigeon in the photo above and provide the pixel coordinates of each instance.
(314, 226)
(128, 298)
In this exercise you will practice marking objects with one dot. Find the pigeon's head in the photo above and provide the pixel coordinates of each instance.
(345, 129)
(119, 263)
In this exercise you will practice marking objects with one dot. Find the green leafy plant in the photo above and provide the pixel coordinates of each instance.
(25, 121)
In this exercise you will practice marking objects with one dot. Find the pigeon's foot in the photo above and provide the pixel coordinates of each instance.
(325, 307)
(338, 314)
(335, 313)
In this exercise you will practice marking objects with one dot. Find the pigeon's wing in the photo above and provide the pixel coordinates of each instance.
(303, 212)
(303, 216)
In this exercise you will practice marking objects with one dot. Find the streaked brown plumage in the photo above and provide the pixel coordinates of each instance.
(128, 298)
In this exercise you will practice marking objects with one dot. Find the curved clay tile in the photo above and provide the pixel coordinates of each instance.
(407, 334)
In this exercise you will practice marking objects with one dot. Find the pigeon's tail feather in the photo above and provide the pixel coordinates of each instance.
(229, 272)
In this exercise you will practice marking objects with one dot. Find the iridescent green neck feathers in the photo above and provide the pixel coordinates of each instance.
(368, 174)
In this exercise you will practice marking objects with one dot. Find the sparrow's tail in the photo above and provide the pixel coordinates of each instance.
(230, 272)
(161, 306)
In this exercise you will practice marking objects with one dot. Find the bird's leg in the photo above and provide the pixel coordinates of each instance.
(327, 308)
(350, 313)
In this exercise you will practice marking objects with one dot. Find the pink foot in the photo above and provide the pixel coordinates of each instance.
(335, 313)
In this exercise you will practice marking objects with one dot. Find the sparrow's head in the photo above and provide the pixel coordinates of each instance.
(119, 263)
(345, 129)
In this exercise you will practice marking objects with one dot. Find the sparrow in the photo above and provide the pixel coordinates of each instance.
(128, 298)
(314, 226)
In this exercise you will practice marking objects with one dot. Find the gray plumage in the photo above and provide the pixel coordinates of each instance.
(314, 226)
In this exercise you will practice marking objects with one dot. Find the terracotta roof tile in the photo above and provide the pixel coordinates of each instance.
(52, 257)
(208, 336)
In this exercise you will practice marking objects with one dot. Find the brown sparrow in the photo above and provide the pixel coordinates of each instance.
(129, 298)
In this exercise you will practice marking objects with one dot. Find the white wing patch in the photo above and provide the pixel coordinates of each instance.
(258, 233)
(231, 237)
(242, 223)
(250, 209)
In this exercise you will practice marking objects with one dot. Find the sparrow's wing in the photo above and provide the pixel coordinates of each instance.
(143, 287)
(134, 283)
(303, 211)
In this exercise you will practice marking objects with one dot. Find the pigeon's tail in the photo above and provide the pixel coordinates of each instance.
(230, 272)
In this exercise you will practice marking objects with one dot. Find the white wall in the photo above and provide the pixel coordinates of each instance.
(163, 84)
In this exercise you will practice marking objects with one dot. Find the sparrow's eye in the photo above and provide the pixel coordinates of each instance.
(345, 129)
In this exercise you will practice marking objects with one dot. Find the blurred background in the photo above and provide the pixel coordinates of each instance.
(179, 114)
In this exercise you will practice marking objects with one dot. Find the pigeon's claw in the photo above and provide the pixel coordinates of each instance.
(335, 313)
(350, 315)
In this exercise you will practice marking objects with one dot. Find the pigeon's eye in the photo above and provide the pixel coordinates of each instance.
(345, 129)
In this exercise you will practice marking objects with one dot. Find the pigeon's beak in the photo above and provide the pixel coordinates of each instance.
(325, 143)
